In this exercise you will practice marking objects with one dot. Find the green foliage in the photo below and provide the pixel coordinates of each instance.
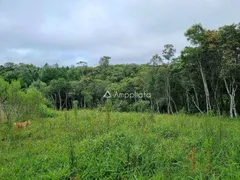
(19, 104)
(75, 107)
(46, 112)
(104, 61)
(108, 105)
(141, 106)
(205, 78)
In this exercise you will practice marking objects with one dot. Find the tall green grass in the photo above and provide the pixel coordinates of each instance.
(106, 145)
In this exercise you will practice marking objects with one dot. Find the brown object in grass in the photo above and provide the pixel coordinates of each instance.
(193, 158)
(23, 124)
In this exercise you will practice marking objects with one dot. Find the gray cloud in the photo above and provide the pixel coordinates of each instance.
(131, 31)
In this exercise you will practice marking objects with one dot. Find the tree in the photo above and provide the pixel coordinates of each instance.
(19, 103)
(58, 91)
(196, 35)
(104, 61)
(83, 65)
(230, 41)
(168, 53)
(27, 74)
(156, 60)
(3, 94)
(204, 78)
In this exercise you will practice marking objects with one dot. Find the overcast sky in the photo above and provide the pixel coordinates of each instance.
(130, 31)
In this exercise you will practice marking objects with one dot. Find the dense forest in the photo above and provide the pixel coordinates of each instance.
(203, 78)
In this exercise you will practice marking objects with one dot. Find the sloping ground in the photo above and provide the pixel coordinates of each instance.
(97, 145)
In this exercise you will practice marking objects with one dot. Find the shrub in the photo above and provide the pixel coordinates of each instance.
(19, 104)
(46, 112)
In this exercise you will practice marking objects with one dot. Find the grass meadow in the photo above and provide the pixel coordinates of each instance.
(88, 144)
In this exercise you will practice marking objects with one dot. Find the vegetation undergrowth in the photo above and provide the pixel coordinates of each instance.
(88, 144)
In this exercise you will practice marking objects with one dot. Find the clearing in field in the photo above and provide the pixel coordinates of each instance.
(97, 145)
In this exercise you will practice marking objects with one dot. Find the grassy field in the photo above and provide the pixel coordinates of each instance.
(97, 145)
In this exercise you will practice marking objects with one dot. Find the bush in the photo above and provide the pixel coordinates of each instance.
(141, 106)
(46, 112)
(19, 104)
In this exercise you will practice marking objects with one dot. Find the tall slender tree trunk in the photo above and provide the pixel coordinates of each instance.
(157, 107)
(208, 103)
(66, 100)
(175, 106)
(196, 95)
(152, 105)
(55, 100)
(217, 103)
(60, 100)
(231, 90)
(196, 103)
(168, 92)
(235, 110)
(188, 106)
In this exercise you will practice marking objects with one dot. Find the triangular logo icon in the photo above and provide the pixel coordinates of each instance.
(107, 95)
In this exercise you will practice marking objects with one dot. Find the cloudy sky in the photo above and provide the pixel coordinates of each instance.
(130, 31)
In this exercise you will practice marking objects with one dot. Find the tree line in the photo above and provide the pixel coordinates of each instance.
(204, 78)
